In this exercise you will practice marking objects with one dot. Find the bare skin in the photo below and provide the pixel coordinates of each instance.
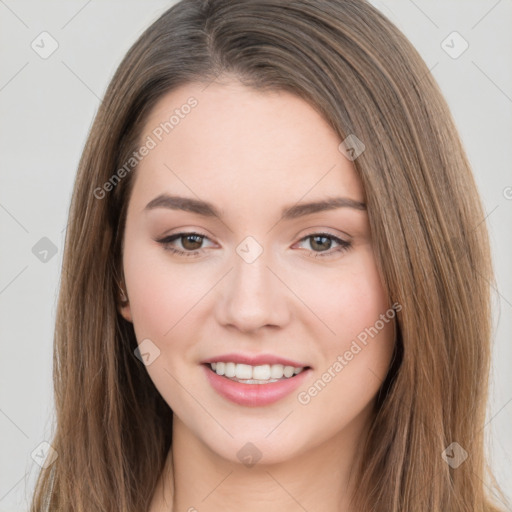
(251, 154)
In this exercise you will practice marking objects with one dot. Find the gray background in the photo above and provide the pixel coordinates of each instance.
(47, 106)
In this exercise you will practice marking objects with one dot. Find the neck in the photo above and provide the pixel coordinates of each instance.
(196, 479)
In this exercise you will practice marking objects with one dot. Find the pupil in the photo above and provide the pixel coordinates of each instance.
(185, 239)
(325, 245)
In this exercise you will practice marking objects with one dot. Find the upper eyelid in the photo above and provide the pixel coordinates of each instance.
(177, 236)
(315, 231)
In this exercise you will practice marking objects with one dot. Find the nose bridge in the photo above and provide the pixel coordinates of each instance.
(252, 294)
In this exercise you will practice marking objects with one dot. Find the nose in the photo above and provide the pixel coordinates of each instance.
(253, 295)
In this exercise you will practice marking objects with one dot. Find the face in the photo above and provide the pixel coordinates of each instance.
(262, 279)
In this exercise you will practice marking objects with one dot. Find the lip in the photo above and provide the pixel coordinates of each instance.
(255, 360)
(254, 395)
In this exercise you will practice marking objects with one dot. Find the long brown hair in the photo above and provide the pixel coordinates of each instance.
(113, 429)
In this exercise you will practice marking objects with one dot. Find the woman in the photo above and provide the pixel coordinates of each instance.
(275, 289)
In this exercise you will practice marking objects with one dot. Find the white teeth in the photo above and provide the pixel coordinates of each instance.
(230, 370)
(254, 374)
(277, 371)
(243, 371)
(288, 371)
(261, 372)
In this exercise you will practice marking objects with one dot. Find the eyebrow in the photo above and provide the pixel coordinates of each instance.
(207, 209)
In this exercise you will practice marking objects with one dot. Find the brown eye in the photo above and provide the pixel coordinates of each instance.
(325, 244)
(320, 242)
(191, 242)
(188, 244)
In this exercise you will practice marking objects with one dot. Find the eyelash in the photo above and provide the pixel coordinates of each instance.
(343, 245)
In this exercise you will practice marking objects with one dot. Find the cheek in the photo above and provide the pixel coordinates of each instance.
(146, 285)
(356, 354)
(147, 309)
(357, 358)
(351, 300)
(160, 295)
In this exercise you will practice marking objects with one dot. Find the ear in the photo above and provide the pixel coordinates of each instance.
(126, 312)
(124, 305)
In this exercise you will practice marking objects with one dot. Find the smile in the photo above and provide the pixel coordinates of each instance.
(260, 374)
(254, 386)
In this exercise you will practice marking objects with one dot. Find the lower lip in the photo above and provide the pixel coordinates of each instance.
(254, 395)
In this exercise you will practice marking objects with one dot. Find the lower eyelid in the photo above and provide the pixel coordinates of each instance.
(334, 238)
(168, 240)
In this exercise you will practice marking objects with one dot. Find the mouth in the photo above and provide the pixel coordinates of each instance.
(260, 374)
(254, 386)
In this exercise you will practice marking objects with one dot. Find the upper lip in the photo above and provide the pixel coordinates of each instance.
(254, 360)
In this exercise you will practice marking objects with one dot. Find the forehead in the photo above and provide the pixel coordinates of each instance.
(242, 146)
